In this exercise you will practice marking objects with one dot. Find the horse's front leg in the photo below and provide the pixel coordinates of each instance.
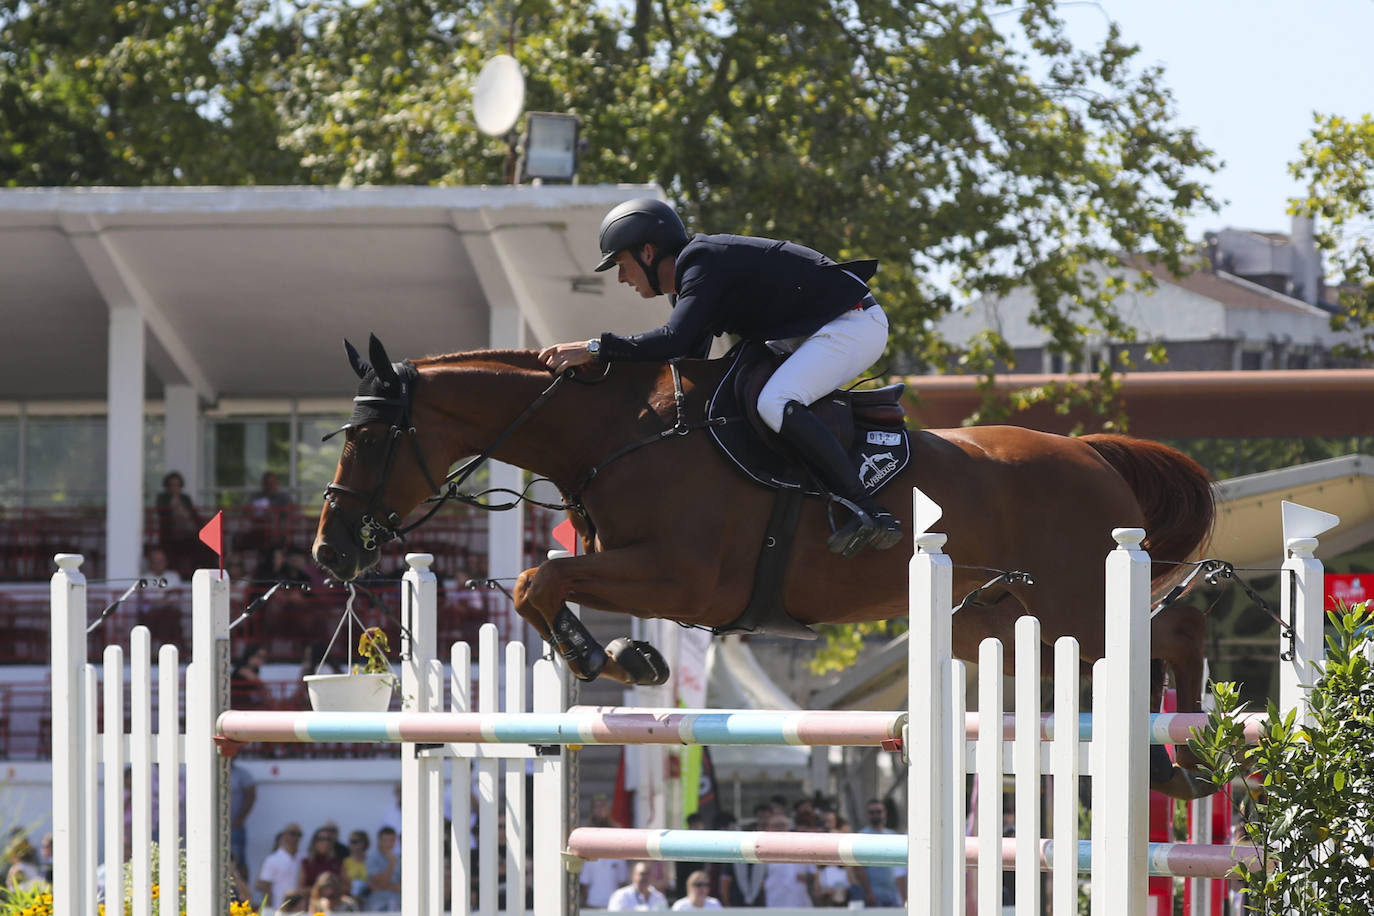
(626, 580)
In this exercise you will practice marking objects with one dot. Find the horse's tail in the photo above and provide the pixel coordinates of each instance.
(1174, 493)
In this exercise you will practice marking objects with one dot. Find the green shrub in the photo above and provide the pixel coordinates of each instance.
(1309, 804)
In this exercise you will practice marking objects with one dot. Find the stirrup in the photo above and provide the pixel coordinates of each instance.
(853, 537)
(879, 530)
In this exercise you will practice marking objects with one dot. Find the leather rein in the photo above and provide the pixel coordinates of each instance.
(373, 533)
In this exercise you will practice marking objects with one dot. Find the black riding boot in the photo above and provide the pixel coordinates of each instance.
(872, 525)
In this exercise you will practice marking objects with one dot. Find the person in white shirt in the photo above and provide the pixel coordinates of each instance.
(698, 894)
(281, 869)
(787, 884)
(639, 894)
(599, 879)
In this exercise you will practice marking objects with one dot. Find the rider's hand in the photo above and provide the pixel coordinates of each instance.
(565, 355)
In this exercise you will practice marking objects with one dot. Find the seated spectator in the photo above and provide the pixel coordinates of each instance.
(355, 865)
(639, 894)
(787, 884)
(384, 874)
(320, 859)
(327, 896)
(179, 526)
(698, 896)
(155, 566)
(280, 871)
(246, 687)
(22, 871)
(271, 507)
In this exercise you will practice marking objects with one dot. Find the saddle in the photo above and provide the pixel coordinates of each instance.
(870, 423)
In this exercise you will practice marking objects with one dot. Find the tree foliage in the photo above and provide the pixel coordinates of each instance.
(967, 144)
(1310, 787)
(1337, 164)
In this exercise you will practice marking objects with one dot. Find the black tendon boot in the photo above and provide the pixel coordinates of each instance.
(872, 525)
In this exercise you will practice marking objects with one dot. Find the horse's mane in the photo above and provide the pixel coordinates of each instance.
(524, 360)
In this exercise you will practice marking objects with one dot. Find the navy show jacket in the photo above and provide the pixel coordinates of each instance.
(755, 288)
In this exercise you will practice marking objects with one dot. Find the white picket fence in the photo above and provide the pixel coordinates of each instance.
(1116, 756)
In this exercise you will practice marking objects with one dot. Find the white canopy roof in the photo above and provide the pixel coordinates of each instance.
(246, 292)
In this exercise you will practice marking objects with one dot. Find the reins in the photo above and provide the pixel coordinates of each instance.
(373, 533)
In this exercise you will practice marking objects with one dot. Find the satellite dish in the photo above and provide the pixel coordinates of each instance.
(499, 95)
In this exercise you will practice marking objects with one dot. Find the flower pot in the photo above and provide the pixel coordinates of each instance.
(350, 692)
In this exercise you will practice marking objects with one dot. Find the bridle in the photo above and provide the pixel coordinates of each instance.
(398, 412)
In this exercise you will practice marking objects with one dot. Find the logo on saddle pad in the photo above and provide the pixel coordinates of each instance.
(876, 468)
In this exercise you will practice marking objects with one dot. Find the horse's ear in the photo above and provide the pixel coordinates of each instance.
(359, 364)
(380, 361)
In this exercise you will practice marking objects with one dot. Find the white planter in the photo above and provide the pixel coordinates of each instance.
(350, 692)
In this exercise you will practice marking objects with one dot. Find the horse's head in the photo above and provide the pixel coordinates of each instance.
(384, 471)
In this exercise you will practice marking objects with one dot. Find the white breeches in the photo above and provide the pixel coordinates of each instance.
(827, 359)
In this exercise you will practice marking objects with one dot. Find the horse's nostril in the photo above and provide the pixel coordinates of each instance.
(326, 555)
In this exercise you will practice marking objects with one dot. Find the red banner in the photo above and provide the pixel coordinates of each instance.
(1350, 588)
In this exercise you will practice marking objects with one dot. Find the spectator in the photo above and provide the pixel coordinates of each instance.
(320, 858)
(340, 848)
(787, 884)
(804, 815)
(600, 877)
(271, 508)
(683, 870)
(22, 870)
(156, 567)
(698, 896)
(724, 887)
(45, 857)
(355, 866)
(280, 871)
(243, 792)
(179, 525)
(599, 880)
(639, 894)
(247, 690)
(879, 883)
(833, 884)
(327, 895)
(384, 874)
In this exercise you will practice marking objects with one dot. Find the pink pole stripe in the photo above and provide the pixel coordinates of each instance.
(799, 726)
(582, 726)
(1176, 859)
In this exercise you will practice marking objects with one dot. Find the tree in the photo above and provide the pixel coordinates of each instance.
(115, 93)
(1337, 163)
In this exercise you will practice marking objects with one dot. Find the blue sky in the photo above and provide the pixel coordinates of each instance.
(1248, 74)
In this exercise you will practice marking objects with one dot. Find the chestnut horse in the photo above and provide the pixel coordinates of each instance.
(672, 530)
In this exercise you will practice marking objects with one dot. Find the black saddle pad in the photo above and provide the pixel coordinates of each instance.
(879, 449)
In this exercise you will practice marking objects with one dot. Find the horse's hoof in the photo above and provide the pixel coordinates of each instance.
(587, 666)
(641, 661)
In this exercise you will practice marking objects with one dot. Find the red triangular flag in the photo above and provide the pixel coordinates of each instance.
(212, 535)
(566, 535)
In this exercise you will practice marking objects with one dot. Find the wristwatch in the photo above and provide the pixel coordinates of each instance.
(594, 348)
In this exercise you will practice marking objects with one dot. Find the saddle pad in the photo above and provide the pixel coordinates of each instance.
(879, 452)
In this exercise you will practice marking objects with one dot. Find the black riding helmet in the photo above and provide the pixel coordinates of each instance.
(635, 223)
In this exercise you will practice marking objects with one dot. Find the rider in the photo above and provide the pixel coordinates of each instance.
(797, 300)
